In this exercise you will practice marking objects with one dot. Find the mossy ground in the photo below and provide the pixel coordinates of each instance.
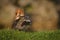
(20, 35)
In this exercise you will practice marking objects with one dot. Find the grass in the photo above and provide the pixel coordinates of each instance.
(20, 35)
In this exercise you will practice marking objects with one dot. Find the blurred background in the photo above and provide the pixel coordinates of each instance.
(44, 14)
